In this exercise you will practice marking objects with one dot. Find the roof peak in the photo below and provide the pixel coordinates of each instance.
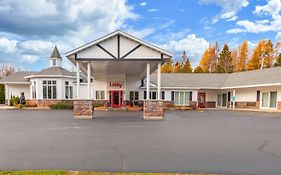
(55, 53)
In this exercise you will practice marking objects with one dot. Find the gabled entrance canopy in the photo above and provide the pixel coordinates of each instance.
(118, 53)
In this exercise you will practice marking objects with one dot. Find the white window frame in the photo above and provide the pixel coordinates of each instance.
(268, 101)
(185, 93)
(33, 90)
(70, 90)
(100, 94)
(52, 85)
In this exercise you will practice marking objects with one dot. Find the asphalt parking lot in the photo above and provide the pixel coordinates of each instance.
(185, 141)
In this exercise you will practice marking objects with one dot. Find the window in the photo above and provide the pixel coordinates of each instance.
(258, 95)
(190, 96)
(181, 98)
(68, 90)
(221, 100)
(134, 95)
(49, 89)
(172, 96)
(153, 95)
(163, 95)
(269, 99)
(100, 95)
(33, 88)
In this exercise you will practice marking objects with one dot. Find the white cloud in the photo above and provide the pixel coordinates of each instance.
(229, 8)
(272, 8)
(143, 4)
(153, 10)
(141, 33)
(278, 36)
(29, 58)
(36, 45)
(234, 18)
(193, 45)
(42, 24)
(7, 46)
(235, 30)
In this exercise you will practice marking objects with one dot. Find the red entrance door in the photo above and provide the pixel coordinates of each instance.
(202, 100)
(116, 98)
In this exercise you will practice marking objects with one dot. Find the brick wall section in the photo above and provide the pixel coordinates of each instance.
(246, 105)
(83, 109)
(210, 104)
(47, 102)
(153, 110)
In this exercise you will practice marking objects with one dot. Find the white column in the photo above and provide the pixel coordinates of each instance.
(148, 81)
(89, 79)
(77, 81)
(233, 100)
(159, 82)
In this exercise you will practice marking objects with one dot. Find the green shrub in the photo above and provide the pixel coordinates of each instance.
(15, 100)
(61, 105)
(97, 105)
(2, 94)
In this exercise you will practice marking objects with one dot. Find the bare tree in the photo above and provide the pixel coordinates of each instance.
(6, 70)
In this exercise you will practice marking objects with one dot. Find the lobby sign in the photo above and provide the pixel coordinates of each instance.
(116, 85)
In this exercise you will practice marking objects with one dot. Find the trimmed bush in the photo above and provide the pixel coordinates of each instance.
(97, 105)
(61, 105)
(2, 94)
(15, 100)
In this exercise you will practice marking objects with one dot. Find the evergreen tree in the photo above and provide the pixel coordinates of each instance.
(185, 66)
(243, 56)
(198, 69)
(225, 61)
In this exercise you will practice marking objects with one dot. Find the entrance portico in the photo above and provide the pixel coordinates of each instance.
(118, 63)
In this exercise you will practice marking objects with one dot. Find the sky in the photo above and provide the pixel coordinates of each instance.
(30, 29)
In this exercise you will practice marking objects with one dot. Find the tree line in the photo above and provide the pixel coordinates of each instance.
(214, 60)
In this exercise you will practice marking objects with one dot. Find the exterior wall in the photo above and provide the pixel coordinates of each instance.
(60, 87)
(16, 89)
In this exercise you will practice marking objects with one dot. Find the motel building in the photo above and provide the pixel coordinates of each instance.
(120, 69)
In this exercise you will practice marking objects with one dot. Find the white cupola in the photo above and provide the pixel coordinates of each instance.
(55, 58)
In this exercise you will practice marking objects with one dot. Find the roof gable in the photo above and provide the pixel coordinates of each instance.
(118, 45)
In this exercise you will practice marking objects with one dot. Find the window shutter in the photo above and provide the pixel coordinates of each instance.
(190, 96)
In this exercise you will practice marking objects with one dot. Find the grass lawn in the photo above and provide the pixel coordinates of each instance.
(47, 172)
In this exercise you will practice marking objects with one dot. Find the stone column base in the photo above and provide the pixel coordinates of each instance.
(83, 109)
(153, 110)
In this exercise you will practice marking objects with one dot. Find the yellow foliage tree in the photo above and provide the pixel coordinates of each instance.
(204, 63)
(243, 56)
(167, 67)
(268, 54)
(235, 60)
(255, 61)
(177, 67)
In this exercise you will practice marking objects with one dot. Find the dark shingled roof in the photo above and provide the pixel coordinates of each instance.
(56, 53)
(17, 77)
(56, 70)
